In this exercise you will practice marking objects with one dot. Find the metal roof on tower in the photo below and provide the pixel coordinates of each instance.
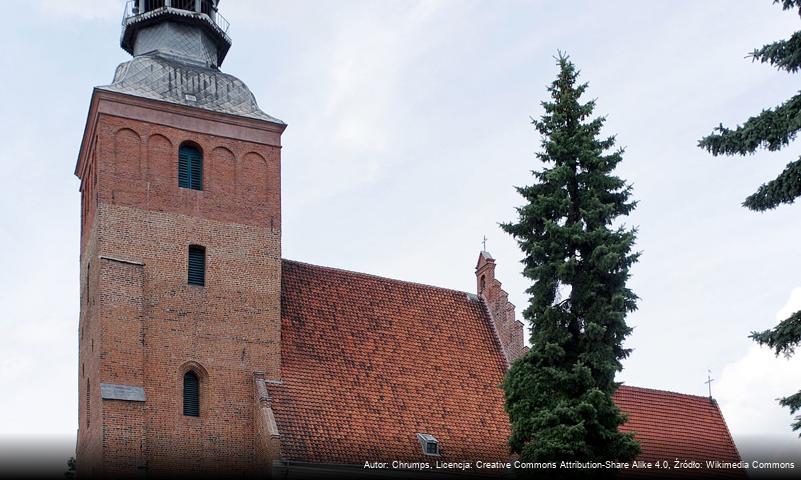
(177, 47)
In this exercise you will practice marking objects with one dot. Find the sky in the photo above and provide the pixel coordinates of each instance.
(409, 126)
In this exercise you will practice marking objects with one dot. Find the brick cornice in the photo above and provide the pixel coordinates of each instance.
(172, 115)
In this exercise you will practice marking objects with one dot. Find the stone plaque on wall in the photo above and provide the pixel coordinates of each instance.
(111, 391)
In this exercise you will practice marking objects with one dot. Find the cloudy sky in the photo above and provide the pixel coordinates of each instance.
(408, 127)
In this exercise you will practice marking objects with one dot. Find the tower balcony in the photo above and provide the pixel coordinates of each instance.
(140, 15)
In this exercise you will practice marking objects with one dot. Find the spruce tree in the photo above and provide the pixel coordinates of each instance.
(559, 395)
(772, 129)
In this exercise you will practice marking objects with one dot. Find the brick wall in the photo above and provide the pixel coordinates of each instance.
(90, 433)
(267, 440)
(509, 330)
(142, 324)
(137, 165)
(120, 310)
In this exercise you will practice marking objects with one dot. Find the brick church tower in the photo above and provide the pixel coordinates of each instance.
(180, 254)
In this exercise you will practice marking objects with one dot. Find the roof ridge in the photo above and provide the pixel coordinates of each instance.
(657, 390)
(377, 277)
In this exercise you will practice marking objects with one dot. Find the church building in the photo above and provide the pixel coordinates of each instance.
(203, 352)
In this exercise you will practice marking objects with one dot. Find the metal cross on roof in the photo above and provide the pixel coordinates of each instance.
(484, 242)
(709, 381)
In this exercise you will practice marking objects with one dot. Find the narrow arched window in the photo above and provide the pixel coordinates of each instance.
(191, 394)
(190, 167)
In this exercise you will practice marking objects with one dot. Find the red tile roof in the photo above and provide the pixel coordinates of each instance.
(672, 426)
(368, 362)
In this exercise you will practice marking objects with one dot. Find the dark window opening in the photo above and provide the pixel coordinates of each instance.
(432, 448)
(197, 265)
(191, 395)
(184, 4)
(88, 270)
(88, 403)
(190, 167)
(429, 444)
(483, 283)
(152, 5)
(206, 6)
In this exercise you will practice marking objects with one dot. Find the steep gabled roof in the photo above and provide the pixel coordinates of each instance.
(672, 425)
(369, 362)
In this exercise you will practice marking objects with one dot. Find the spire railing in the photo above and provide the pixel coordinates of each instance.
(135, 8)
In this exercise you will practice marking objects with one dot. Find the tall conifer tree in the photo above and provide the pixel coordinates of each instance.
(559, 395)
(772, 129)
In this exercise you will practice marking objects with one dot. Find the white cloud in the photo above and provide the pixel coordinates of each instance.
(748, 390)
(356, 86)
(793, 305)
(749, 387)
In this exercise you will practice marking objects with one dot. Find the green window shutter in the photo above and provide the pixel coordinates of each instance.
(190, 168)
(197, 265)
(183, 168)
(191, 395)
(196, 171)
